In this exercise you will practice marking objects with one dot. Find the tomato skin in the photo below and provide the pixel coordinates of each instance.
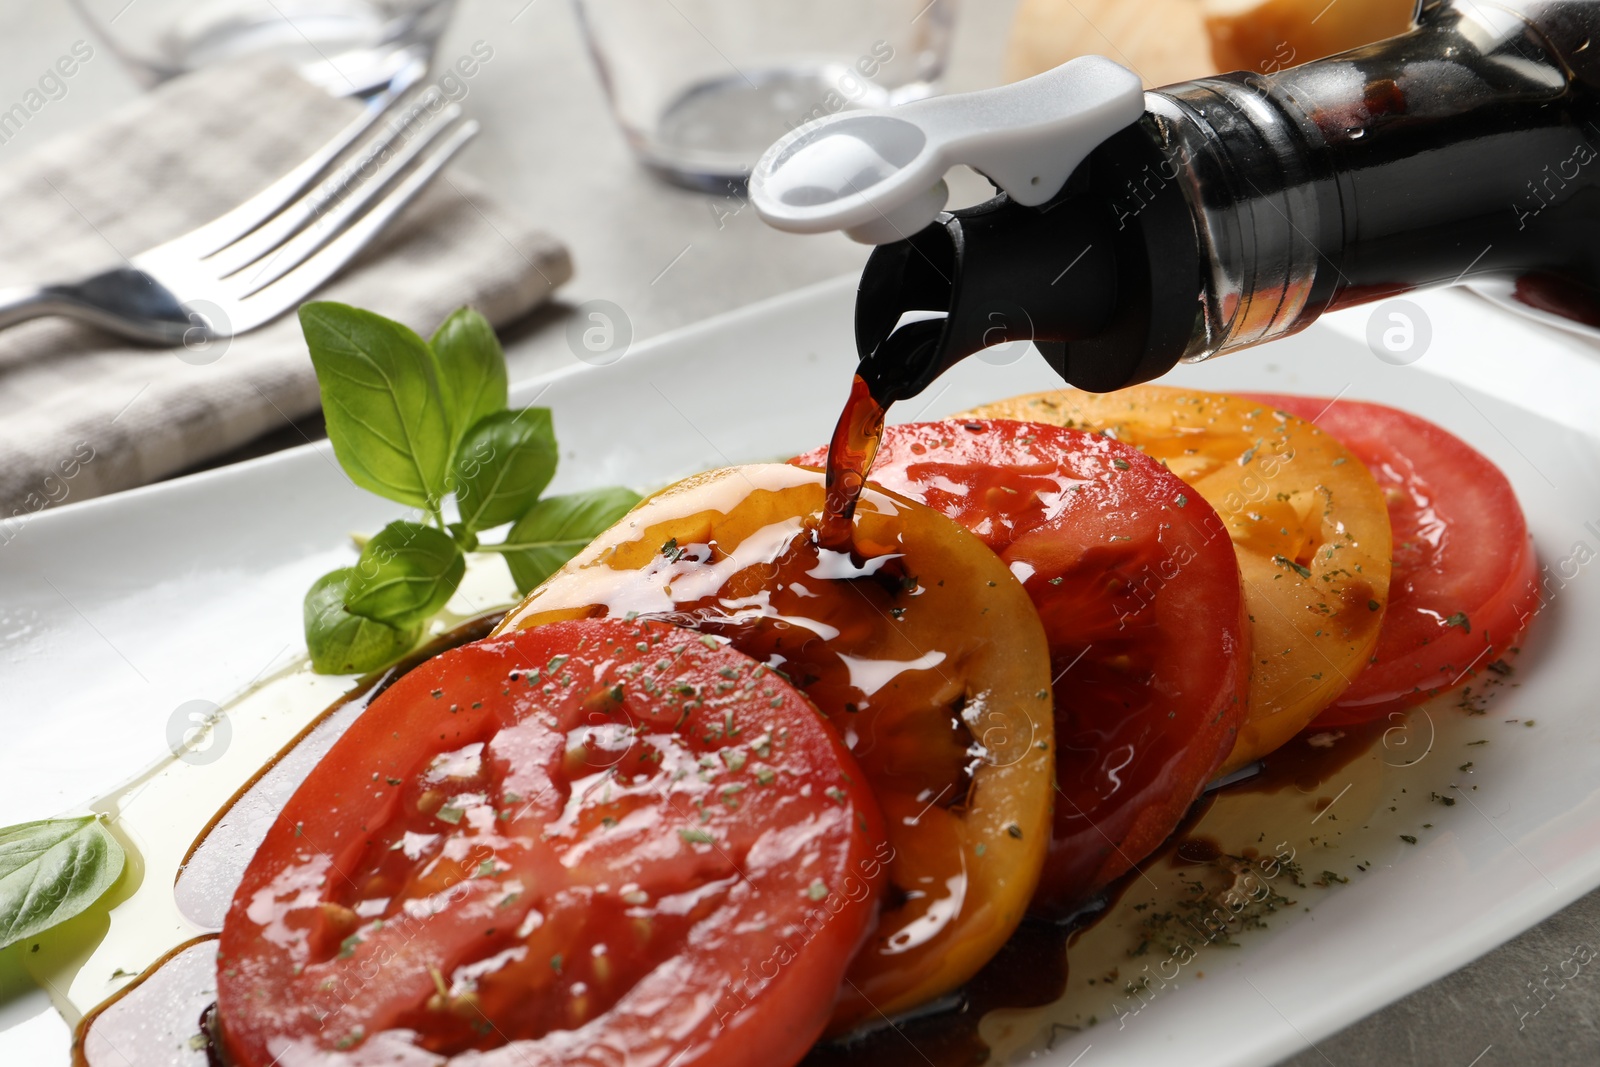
(1461, 551)
(1136, 582)
(586, 901)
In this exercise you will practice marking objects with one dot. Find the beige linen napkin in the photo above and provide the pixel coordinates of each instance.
(83, 413)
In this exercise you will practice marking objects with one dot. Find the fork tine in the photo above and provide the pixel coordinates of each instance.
(264, 303)
(297, 216)
(274, 263)
(237, 222)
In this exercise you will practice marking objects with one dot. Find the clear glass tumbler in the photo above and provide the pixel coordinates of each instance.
(348, 46)
(702, 87)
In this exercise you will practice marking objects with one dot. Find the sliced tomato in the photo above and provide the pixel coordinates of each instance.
(1465, 578)
(1136, 583)
(592, 842)
(926, 656)
(1307, 521)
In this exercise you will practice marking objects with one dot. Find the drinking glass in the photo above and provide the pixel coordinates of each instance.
(702, 87)
(347, 46)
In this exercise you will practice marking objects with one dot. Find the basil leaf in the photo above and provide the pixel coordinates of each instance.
(557, 528)
(343, 643)
(467, 539)
(52, 870)
(380, 395)
(502, 466)
(472, 371)
(405, 574)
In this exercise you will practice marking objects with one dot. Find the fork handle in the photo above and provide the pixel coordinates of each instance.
(19, 303)
(124, 301)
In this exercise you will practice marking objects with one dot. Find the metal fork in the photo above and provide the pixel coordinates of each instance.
(257, 261)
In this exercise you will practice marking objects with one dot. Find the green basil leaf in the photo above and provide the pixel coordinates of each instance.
(52, 870)
(471, 370)
(343, 643)
(502, 466)
(557, 528)
(405, 574)
(467, 539)
(380, 395)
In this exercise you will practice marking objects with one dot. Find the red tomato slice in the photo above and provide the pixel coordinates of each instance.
(1465, 578)
(596, 841)
(1136, 581)
(939, 686)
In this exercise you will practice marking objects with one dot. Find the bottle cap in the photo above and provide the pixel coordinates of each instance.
(879, 175)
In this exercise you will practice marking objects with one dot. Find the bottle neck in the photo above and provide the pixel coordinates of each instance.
(1467, 148)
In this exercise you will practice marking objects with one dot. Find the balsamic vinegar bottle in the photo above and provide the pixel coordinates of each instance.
(1239, 208)
(1460, 150)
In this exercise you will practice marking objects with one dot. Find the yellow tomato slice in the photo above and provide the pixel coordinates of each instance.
(1307, 521)
(928, 658)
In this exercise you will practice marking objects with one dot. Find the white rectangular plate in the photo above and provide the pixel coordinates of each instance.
(116, 611)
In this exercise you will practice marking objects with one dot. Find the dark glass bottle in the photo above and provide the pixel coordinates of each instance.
(1243, 206)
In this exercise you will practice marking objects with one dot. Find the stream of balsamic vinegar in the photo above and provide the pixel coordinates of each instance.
(850, 454)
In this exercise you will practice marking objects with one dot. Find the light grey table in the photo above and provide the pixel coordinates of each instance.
(669, 257)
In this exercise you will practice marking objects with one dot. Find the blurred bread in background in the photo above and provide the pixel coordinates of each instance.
(1167, 41)
(1267, 37)
(1163, 41)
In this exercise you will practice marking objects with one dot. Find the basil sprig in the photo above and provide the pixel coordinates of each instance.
(52, 870)
(418, 421)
